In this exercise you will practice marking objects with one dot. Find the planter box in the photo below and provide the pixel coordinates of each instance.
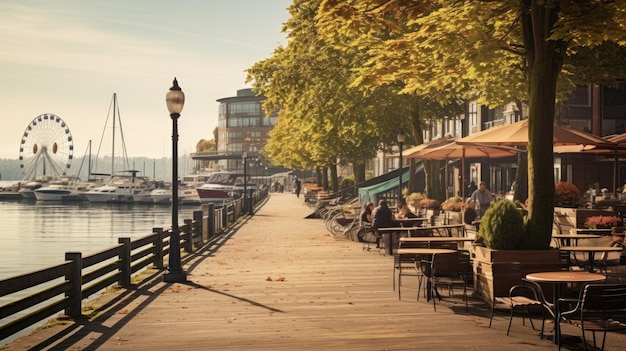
(577, 216)
(496, 271)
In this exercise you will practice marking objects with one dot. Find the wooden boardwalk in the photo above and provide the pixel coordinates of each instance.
(281, 282)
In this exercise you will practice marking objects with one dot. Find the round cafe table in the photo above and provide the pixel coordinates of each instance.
(566, 239)
(591, 251)
(558, 279)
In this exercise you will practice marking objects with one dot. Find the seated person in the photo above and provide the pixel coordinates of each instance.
(469, 214)
(405, 212)
(381, 218)
(366, 212)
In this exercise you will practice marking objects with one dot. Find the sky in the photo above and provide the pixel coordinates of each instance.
(68, 57)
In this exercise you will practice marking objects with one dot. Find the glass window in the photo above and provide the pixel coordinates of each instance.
(580, 97)
(615, 96)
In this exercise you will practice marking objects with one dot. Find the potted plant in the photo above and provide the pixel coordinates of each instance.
(595, 222)
(566, 194)
(455, 204)
(501, 254)
(453, 207)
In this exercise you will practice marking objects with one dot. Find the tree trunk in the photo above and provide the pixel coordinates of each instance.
(334, 181)
(359, 172)
(433, 182)
(544, 58)
(521, 178)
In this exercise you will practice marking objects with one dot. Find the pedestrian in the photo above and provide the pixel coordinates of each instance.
(471, 188)
(298, 187)
(483, 198)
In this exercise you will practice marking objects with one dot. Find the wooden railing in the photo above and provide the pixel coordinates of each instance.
(41, 294)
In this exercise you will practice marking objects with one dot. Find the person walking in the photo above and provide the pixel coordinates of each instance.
(483, 198)
(298, 185)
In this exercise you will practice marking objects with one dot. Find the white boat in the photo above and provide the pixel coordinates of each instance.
(27, 190)
(65, 189)
(161, 195)
(223, 186)
(121, 189)
(188, 196)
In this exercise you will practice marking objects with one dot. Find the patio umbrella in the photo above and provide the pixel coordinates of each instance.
(517, 134)
(615, 148)
(424, 146)
(451, 150)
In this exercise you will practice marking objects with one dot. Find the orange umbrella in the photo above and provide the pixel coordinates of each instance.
(517, 134)
(415, 150)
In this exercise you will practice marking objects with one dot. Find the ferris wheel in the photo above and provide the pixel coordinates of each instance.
(47, 147)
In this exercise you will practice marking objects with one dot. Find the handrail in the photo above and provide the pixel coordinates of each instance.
(37, 295)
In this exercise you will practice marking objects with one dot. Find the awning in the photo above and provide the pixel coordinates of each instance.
(372, 192)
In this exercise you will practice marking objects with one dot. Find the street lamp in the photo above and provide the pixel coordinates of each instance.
(175, 100)
(401, 138)
(244, 157)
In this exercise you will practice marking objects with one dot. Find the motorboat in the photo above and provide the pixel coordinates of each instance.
(224, 186)
(121, 189)
(65, 188)
(27, 189)
(188, 196)
(161, 195)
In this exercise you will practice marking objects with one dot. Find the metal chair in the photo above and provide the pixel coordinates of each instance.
(599, 308)
(522, 296)
(449, 270)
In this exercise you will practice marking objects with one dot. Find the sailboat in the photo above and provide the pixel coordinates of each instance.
(123, 185)
(70, 188)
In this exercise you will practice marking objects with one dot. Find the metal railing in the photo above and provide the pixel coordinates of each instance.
(35, 296)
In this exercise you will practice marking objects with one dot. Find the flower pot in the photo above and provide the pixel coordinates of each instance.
(496, 271)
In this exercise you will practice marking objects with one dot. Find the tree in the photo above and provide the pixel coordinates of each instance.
(529, 50)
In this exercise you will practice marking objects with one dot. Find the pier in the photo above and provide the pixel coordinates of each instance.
(279, 281)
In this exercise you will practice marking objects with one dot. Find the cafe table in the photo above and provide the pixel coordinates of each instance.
(445, 227)
(566, 239)
(591, 251)
(598, 231)
(410, 221)
(394, 231)
(558, 279)
(435, 239)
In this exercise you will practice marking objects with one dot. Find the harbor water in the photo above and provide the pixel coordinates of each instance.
(38, 234)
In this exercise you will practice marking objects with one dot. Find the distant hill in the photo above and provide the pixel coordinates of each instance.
(160, 169)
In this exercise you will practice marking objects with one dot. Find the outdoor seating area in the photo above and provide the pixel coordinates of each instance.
(433, 261)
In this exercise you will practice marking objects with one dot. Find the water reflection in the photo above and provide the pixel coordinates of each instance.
(37, 234)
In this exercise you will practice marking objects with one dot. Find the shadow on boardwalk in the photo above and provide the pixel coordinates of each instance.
(281, 282)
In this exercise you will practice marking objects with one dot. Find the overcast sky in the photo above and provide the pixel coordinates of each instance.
(68, 57)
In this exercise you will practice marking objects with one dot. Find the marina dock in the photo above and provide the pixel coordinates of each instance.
(281, 282)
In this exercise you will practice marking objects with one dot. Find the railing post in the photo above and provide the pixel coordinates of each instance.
(158, 248)
(189, 235)
(211, 222)
(225, 216)
(75, 294)
(125, 270)
(198, 227)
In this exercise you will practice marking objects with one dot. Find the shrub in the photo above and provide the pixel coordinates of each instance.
(502, 226)
(605, 221)
(454, 203)
(430, 204)
(346, 182)
(566, 193)
(414, 199)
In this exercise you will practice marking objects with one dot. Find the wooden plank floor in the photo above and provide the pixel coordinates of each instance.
(281, 282)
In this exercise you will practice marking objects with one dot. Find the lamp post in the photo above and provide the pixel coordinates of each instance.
(401, 138)
(244, 157)
(175, 100)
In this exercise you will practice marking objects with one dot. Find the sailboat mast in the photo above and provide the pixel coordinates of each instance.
(113, 146)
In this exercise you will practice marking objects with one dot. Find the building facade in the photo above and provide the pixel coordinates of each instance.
(242, 126)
